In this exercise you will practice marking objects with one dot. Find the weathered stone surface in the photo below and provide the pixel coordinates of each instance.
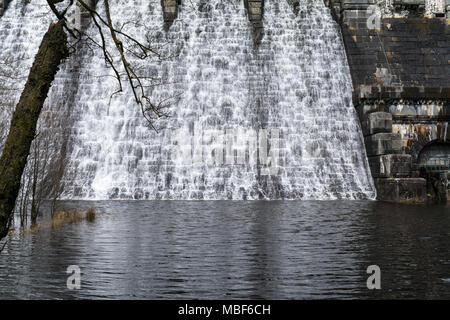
(377, 122)
(416, 135)
(170, 10)
(435, 149)
(255, 11)
(398, 66)
(383, 143)
(411, 52)
(390, 165)
(418, 110)
(401, 189)
(401, 93)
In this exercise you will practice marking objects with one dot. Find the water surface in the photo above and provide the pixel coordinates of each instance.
(234, 250)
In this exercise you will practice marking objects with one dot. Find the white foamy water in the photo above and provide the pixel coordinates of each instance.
(295, 85)
(21, 30)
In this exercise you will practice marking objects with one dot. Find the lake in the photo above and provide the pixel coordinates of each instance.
(234, 250)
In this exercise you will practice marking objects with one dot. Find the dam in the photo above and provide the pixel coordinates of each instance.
(328, 104)
(285, 89)
(268, 100)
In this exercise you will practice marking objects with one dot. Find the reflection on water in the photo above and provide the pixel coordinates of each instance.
(235, 249)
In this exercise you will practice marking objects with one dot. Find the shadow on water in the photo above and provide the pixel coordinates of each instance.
(234, 249)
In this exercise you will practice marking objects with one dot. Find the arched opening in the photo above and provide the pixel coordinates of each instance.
(434, 165)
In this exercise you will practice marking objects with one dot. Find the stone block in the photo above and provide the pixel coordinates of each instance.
(390, 165)
(377, 122)
(443, 131)
(383, 143)
(401, 189)
(170, 9)
(255, 9)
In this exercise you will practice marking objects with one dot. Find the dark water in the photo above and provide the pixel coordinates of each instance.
(229, 250)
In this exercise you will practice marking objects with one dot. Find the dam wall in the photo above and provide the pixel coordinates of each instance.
(399, 57)
(269, 120)
(398, 54)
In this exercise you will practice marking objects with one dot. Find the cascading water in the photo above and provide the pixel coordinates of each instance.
(273, 120)
(21, 29)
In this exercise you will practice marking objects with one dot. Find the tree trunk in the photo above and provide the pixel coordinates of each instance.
(52, 51)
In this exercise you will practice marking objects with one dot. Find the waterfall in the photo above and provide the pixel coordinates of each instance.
(21, 29)
(272, 120)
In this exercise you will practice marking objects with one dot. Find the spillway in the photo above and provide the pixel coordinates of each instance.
(267, 120)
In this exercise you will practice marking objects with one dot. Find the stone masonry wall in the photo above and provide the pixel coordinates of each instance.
(399, 58)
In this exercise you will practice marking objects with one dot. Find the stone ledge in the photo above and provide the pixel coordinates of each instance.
(390, 165)
(406, 110)
(255, 12)
(383, 143)
(401, 189)
(377, 122)
(415, 8)
(400, 92)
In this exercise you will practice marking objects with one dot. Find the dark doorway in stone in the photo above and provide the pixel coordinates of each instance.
(437, 152)
(434, 165)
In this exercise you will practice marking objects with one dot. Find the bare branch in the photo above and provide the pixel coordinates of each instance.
(126, 46)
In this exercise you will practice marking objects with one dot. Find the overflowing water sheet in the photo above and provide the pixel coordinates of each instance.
(272, 120)
(21, 30)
